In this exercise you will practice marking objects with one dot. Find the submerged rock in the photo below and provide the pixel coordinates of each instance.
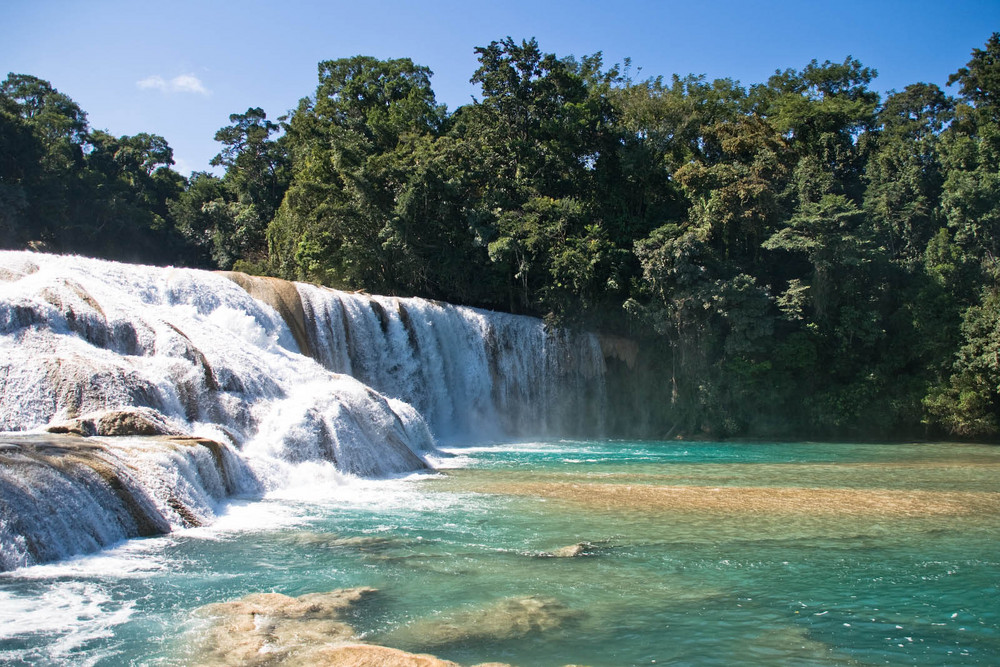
(314, 540)
(311, 630)
(370, 655)
(506, 619)
(271, 628)
(304, 631)
(571, 551)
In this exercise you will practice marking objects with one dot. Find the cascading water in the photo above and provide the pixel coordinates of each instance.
(471, 373)
(279, 377)
(60, 496)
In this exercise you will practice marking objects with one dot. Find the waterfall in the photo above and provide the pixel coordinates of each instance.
(276, 375)
(82, 336)
(471, 373)
(60, 496)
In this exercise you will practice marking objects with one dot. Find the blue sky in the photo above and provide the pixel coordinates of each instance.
(178, 68)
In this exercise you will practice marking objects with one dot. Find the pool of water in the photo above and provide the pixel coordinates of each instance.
(597, 553)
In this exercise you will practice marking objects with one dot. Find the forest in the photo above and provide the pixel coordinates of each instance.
(803, 257)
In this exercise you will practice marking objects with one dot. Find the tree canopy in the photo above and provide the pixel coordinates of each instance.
(800, 256)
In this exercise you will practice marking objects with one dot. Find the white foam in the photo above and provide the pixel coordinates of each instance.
(71, 613)
(132, 559)
(249, 517)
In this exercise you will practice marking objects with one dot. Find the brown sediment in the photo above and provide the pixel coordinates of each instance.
(281, 295)
(748, 499)
(967, 475)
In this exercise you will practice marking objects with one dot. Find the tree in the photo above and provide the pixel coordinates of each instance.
(21, 155)
(823, 110)
(971, 197)
(130, 219)
(966, 401)
(254, 185)
(75, 189)
(54, 115)
(538, 126)
(737, 197)
(904, 174)
(336, 217)
(980, 78)
(968, 404)
(203, 217)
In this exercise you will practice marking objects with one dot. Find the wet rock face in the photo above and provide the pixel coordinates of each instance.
(102, 349)
(281, 295)
(63, 495)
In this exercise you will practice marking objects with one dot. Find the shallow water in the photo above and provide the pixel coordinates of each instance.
(688, 553)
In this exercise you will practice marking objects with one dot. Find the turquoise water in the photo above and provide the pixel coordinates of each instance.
(688, 553)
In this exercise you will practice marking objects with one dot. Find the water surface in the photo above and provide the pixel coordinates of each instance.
(684, 553)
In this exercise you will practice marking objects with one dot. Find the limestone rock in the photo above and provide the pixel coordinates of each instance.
(269, 628)
(571, 551)
(96, 499)
(506, 619)
(369, 655)
(622, 349)
(281, 295)
(130, 421)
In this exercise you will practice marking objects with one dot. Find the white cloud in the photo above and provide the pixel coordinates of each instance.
(183, 83)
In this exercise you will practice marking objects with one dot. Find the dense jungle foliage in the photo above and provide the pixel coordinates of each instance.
(797, 257)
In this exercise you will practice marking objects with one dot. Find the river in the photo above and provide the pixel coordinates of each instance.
(567, 552)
